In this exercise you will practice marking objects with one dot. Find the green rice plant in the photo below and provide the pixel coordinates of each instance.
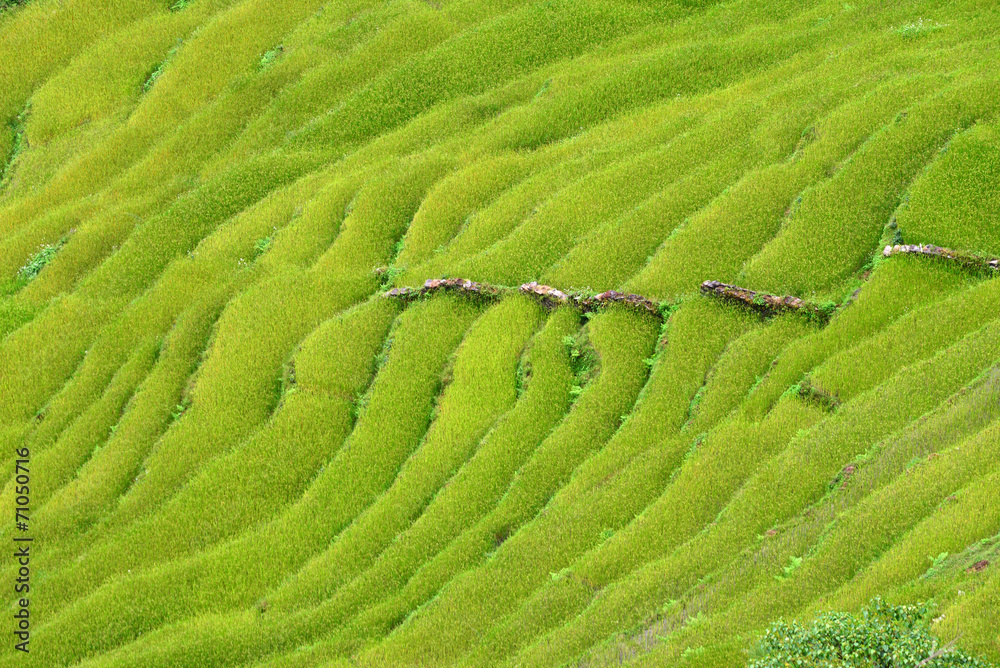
(88, 91)
(752, 505)
(544, 238)
(560, 602)
(589, 503)
(496, 220)
(379, 215)
(119, 462)
(843, 544)
(773, 138)
(952, 525)
(731, 453)
(379, 499)
(475, 488)
(595, 412)
(736, 371)
(106, 353)
(757, 204)
(892, 290)
(147, 415)
(164, 107)
(98, 356)
(42, 46)
(914, 337)
(221, 416)
(638, 71)
(479, 393)
(855, 539)
(55, 466)
(839, 244)
(949, 204)
(13, 314)
(471, 63)
(968, 614)
(426, 335)
(484, 474)
(377, 38)
(241, 467)
(793, 565)
(84, 330)
(614, 251)
(118, 339)
(453, 200)
(964, 414)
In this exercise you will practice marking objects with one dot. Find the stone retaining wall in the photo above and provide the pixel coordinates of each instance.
(967, 259)
(555, 297)
(758, 301)
(552, 297)
(482, 290)
(764, 303)
(547, 295)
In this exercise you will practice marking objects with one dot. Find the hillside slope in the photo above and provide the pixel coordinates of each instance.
(240, 453)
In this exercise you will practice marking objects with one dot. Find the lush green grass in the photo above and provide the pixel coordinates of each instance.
(241, 454)
(953, 202)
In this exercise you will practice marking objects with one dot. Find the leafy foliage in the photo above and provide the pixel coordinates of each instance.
(881, 636)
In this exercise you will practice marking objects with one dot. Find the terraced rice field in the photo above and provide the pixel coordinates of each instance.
(241, 454)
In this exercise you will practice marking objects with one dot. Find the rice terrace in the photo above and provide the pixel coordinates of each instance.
(500, 333)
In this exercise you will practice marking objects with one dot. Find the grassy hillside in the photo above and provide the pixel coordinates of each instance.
(241, 454)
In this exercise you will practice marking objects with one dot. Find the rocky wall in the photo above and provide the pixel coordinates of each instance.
(758, 301)
(967, 259)
(547, 295)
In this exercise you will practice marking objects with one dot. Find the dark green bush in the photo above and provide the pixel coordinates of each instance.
(882, 636)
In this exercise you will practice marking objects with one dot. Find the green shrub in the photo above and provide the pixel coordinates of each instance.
(882, 635)
(8, 4)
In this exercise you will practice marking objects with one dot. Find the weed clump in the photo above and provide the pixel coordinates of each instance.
(260, 247)
(157, 71)
(809, 391)
(583, 361)
(918, 28)
(39, 261)
(18, 140)
(270, 57)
